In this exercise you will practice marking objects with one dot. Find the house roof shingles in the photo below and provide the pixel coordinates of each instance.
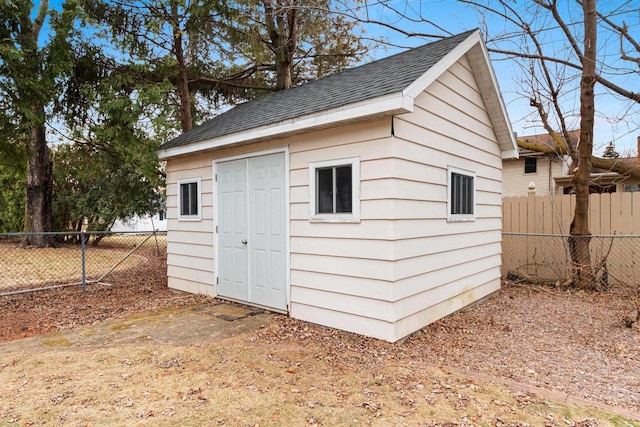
(382, 77)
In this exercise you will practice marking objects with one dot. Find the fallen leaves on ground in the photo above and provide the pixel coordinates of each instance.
(571, 342)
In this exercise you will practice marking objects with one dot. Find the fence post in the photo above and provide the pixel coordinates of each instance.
(84, 276)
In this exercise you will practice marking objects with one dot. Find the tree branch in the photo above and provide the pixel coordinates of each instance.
(40, 17)
(230, 83)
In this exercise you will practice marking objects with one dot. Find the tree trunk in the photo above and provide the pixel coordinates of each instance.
(186, 120)
(283, 70)
(39, 189)
(579, 240)
(283, 35)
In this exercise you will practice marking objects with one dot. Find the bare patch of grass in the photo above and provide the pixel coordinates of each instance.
(244, 383)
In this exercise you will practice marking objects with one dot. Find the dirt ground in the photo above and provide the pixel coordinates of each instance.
(565, 341)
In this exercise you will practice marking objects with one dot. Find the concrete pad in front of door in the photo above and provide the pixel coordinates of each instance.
(200, 325)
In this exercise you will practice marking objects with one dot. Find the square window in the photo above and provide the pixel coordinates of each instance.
(530, 164)
(334, 190)
(461, 195)
(189, 199)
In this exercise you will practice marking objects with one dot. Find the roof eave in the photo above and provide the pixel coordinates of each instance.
(386, 105)
(476, 51)
(490, 91)
(509, 154)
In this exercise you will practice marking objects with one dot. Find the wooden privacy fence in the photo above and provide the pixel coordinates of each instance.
(615, 213)
(535, 240)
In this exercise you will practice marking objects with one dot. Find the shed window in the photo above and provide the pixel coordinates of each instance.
(334, 190)
(530, 164)
(461, 195)
(189, 199)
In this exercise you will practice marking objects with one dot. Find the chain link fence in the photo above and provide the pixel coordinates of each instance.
(79, 259)
(544, 258)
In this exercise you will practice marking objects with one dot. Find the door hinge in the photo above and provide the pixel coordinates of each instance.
(216, 177)
(217, 280)
(216, 228)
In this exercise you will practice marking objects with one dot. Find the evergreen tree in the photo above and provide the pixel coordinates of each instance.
(31, 66)
(610, 152)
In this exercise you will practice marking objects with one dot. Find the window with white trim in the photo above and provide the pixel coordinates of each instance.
(334, 190)
(189, 199)
(461, 200)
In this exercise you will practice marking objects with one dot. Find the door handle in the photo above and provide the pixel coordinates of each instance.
(244, 241)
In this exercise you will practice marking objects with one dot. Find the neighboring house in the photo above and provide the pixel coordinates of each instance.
(550, 173)
(537, 168)
(368, 201)
(156, 222)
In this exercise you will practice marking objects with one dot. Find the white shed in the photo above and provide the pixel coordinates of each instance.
(368, 201)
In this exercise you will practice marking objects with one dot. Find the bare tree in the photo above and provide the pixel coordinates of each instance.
(580, 224)
(214, 53)
(552, 74)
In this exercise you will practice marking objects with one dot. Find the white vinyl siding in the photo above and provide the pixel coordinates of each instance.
(341, 273)
(442, 265)
(190, 243)
(367, 142)
(405, 265)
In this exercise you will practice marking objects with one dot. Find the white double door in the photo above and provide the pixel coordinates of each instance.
(252, 230)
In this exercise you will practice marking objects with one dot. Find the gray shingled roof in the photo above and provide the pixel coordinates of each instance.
(382, 77)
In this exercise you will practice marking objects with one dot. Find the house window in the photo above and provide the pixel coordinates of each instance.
(334, 190)
(530, 164)
(189, 199)
(461, 195)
